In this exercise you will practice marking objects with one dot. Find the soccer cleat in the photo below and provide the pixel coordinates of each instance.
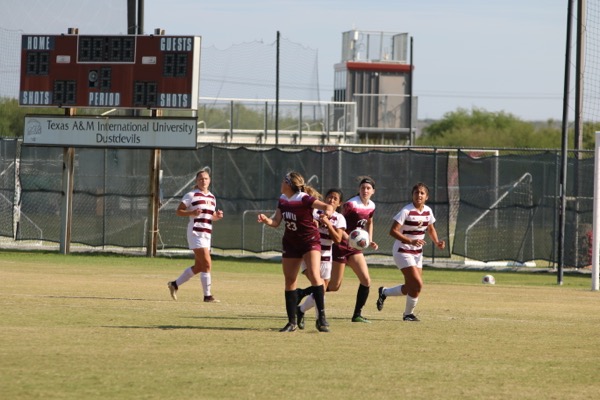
(360, 318)
(300, 318)
(381, 299)
(210, 299)
(411, 317)
(289, 327)
(322, 325)
(173, 289)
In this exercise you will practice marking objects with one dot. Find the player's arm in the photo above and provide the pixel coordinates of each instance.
(272, 221)
(326, 208)
(183, 211)
(370, 230)
(432, 232)
(396, 233)
(336, 234)
(217, 215)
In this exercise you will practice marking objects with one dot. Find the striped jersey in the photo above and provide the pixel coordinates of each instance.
(201, 225)
(357, 214)
(414, 226)
(339, 222)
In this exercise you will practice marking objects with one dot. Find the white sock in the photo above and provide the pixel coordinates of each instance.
(185, 276)
(309, 303)
(411, 303)
(206, 282)
(393, 291)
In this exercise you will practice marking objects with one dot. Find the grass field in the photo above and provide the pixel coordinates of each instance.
(105, 327)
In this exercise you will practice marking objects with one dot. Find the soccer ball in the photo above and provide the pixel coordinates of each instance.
(488, 280)
(359, 239)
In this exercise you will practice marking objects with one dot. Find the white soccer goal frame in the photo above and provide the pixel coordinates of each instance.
(596, 216)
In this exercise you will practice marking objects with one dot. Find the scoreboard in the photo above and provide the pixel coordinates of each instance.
(94, 71)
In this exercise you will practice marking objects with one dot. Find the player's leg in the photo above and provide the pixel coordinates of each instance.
(290, 266)
(337, 275)
(358, 263)
(203, 267)
(194, 242)
(309, 302)
(413, 283)
(405, 263)
(312, 259)
(185, 276)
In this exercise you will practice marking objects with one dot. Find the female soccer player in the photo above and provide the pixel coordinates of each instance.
(332, 231)
(409, 228)
(358, 212)
(200, 206)
(301, 242)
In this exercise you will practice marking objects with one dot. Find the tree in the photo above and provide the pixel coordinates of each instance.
(12, 116)
(481, 128)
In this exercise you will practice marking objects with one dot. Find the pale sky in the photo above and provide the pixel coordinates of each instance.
(495, 55)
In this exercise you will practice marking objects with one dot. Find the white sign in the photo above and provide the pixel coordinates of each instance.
(139, 132)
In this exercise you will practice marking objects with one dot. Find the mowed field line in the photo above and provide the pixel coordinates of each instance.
(98, 327)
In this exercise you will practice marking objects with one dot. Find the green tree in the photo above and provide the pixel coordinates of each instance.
(481, 128)
(12, 116)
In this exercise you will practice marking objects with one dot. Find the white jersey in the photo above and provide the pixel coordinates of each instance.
(414, 226)
(200, 225)
(339, 222)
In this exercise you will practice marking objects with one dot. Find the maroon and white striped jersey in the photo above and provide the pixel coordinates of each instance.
(339, 222)
(414, 226)
(357, 214)
(200, 225)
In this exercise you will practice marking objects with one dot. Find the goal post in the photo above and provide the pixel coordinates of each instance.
(596, 215)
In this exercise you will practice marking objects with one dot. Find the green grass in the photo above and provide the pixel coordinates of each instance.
(104, 327)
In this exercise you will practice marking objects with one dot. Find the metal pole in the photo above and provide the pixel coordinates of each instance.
(131, 17)
(66, 211)
(277, 93)
(140, 17)
(154, 200)
(579, 68)
(564, 151)
(410, 96)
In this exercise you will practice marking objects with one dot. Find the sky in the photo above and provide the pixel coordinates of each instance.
(500, 56)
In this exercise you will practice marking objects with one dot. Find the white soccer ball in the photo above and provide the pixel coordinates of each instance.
(359, 239)
(488, 280)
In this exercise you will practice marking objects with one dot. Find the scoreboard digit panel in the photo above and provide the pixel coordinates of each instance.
(110, 71)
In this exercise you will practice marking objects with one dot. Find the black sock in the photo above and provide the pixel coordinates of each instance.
(361, 298)
(291, 300)
(319, 296)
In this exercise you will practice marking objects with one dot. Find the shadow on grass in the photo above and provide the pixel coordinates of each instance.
(194, 327)
(93, 298)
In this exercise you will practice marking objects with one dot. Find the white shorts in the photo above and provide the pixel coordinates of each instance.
(198, 242)
(405, 260)
(325, 269)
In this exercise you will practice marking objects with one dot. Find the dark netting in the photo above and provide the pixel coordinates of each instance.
(247, 182)
(110, 197)
(508, 208)
(501, 208)
(579, 212)
(41, 185)
(8, 157)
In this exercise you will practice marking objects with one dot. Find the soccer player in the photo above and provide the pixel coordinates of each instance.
(332, 231)
(200, 206)
(301, 242)
(409, 228)
(358, 212)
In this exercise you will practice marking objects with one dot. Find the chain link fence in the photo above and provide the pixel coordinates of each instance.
(490, 205)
